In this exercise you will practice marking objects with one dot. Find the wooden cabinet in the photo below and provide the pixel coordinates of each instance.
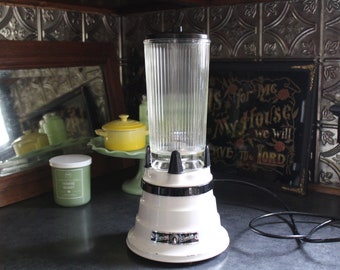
(123, 7)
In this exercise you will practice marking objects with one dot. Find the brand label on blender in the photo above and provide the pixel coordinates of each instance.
(257, 120)
(69, 184)
(174, 238)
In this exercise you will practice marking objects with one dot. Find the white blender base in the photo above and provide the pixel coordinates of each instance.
(178, 215)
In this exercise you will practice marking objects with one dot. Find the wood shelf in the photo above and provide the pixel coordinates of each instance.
(324, 189)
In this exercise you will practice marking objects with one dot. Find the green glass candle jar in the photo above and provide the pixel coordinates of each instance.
(71, 176)
(55, 129)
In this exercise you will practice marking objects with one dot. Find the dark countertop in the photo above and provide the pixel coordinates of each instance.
(38, 234)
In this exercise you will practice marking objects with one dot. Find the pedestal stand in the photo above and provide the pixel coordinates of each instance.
(131, 186)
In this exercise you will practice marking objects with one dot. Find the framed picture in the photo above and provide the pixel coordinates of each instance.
(261, 119)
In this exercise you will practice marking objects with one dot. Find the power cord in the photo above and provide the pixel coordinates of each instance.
(290, 221)
(302, 237)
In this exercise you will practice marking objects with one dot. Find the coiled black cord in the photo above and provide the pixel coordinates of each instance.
(290, 221)
(302, 237)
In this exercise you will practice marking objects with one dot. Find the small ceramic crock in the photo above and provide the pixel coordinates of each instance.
(123, 134)
(28, 142)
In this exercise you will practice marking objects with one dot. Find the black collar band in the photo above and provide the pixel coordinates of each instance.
(176, 191)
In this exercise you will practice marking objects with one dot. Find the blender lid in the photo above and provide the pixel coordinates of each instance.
(177, 34)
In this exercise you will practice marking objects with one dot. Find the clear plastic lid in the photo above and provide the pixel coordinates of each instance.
(176, 36)
(70, 161)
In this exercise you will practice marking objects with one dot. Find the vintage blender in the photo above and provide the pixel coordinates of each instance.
(177, 220)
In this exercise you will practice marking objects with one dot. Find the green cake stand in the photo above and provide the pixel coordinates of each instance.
(130, 186)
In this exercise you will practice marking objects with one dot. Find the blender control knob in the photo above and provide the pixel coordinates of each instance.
(174, 239)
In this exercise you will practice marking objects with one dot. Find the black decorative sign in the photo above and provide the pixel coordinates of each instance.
(260, 121)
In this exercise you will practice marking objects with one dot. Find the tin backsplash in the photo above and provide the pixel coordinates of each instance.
(276, 31)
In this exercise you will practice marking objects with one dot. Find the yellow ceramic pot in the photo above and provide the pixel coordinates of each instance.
(29, 142)
(123, 134)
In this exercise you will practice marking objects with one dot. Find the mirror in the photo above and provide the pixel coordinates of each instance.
(75, 96)
(77, 82)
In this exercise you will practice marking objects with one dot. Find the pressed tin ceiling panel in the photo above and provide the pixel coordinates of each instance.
(18, 23)
(61, 25)
(291, 29)
(234, 31)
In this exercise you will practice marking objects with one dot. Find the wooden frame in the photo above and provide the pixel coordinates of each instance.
(39, 54)
(260, 121)
(36, 54)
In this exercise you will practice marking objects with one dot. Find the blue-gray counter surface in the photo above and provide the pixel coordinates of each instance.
(38, 234)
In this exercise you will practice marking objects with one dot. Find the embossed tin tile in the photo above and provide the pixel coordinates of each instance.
(331, 40)
(133, 36)
(58, 25)
(153, 22)
(102, 28)
(137, 27)
(94, 30)
(326, 116)
(329, 147)
(193, 20)
(329, 160)
(18, 23)
(291, 28)
(112, 26)
(234, 31)
(331, 81)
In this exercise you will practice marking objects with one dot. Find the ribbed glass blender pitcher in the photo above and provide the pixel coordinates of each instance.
(177, 75)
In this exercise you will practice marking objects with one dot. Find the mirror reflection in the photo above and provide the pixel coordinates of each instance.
(46, 112)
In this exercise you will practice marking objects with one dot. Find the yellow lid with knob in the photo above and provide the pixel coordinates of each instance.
(123, 124)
